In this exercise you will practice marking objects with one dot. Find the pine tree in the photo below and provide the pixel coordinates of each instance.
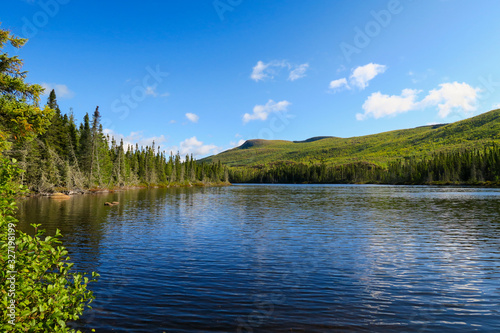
(85, 146)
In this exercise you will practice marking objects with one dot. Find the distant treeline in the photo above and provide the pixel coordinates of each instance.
(71, 157)
(467, 166)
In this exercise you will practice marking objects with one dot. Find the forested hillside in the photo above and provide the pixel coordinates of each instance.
(463, 152)
(467, 166)
(73, 158)
(379, 149)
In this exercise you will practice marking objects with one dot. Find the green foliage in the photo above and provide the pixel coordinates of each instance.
(47, 294)
(20, 115)
(76, 159)
(461, 152)
(467, 166)
(379, 149)
(39, 292)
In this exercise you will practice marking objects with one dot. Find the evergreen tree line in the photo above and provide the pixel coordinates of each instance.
(71, 157)
(468, 166)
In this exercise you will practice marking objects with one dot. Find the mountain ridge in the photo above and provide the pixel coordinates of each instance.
(379, 148)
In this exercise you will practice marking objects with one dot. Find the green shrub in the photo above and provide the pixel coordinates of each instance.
(39, 291)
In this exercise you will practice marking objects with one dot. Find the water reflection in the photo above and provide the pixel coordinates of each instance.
(284, 257)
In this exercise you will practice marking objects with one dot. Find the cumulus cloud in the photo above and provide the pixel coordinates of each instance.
(450, 97)
(134, 138)
(192, 117)
(187, 147)
(258, 72)
(197, 148)
(360, 77)
(263, 71)
(363, 74)
(261, 112)
(338, 84)
(379, 105)
(62, 90)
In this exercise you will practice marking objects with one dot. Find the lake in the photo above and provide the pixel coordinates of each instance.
(285, 258)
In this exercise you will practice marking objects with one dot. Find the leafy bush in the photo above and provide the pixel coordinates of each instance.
(40, 292)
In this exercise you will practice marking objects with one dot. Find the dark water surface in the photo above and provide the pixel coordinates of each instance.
(285, 258)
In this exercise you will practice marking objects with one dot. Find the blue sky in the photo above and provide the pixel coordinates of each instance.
(202, 76)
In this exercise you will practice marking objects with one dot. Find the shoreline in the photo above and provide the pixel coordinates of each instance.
(104, 190)
(438, 184)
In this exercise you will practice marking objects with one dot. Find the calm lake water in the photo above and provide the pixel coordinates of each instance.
(285, 258)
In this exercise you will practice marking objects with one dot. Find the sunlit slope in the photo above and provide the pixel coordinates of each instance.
(377, 148)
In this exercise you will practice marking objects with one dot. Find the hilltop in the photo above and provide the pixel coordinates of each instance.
(378, 149)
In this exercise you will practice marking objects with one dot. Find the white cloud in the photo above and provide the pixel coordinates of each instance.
(62, 90)
(379, 105)
(258, 71)
(236, 144)
(452, 97)
(298, 72)
(188, 146)
(134, 138)
(496, 106)
(192, 117)
(362, 75)
(197, 148)
(448, 98)
(263, 71)
(172, 121)
(261, 112)
(338, 84)
(151, 91)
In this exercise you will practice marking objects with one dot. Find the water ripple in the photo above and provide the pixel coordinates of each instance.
(281, 258)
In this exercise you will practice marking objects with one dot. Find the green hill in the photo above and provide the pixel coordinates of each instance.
(378, 149)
